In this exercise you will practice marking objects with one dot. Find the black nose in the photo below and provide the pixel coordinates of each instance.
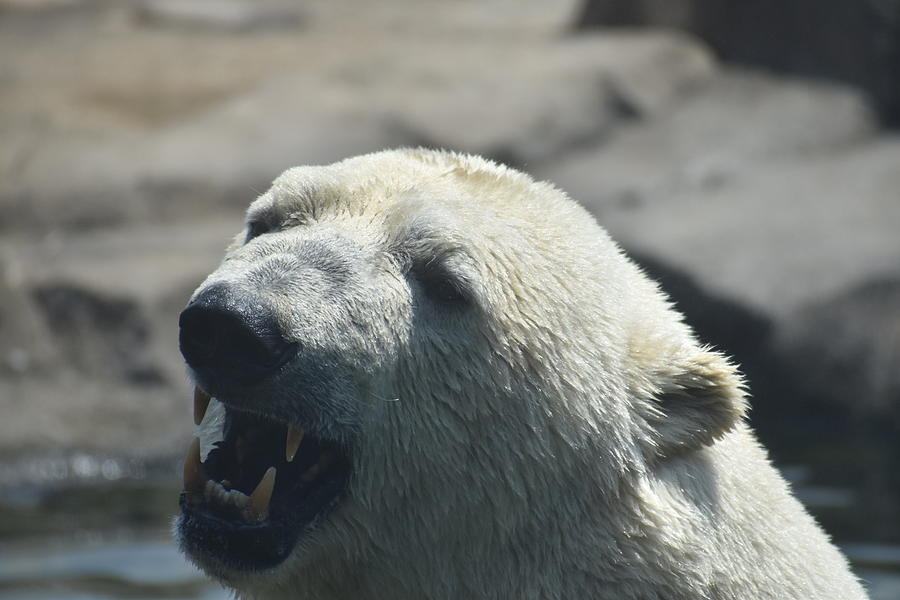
(229, 337)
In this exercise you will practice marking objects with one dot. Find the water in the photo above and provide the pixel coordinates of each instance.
(91, 534)
(147, 569)
(143, 568)
(878, 565)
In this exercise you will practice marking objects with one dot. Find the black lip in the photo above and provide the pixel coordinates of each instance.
(241, 546)
(231, 544)
(217, 538)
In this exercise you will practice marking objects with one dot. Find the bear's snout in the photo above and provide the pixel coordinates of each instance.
(230, 337)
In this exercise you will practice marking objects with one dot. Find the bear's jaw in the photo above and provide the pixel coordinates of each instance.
(260, 487)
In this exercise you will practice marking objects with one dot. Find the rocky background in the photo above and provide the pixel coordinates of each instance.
(742, 152)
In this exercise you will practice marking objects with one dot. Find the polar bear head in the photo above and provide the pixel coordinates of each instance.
(426, 367)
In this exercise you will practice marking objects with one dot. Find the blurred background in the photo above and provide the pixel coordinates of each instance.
(745, 153)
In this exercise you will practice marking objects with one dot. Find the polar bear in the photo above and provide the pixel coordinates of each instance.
(420, 374)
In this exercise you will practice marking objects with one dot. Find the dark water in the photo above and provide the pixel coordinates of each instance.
(98, 569)
(76, 528)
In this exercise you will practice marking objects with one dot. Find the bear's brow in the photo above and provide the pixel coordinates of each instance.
(303, 194)
(286, 212)
(421, 239)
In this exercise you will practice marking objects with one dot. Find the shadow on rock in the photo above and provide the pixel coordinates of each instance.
(99, 336)
(845, 351)
(854, 42)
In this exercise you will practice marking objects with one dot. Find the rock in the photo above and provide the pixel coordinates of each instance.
(852, 41)
(38, 5)
(847, 346)
(102, 337)
(229, 15)
(551, 95)
(107, 304)
(724, 129)
(545, 100)
(843, 352)
(436, 19)
(774, 238)
(69, 413)
(724, 187)
(24, 347)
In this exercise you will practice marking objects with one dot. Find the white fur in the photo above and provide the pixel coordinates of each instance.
(561, 436)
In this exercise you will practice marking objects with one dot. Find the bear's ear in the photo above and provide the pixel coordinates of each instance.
(696, 397)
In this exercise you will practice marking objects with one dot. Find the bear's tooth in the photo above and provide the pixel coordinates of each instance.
(194, 477)
(201, 403)
(258, 507)
(213, 490)
(294, 437)
(238, 498)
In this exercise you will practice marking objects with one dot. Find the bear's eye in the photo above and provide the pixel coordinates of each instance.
(441, 286)
(256, 228)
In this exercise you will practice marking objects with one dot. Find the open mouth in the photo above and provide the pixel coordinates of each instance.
(258, 489)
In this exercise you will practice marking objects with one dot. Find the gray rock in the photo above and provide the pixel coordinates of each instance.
(527, 103)
(729, 126)
(100, 337)
(38, 5)
(522, 101)
(777, 237)
(229, 15)
(546, 98)
(107, 305)
(24, 347)
(769, 194)
(847, 346)
(843, 416)
(855, 41)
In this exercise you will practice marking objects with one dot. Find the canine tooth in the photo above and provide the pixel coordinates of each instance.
(201, 403)
(258, 507)
(194, 477)
(238, 498)
(294, 437)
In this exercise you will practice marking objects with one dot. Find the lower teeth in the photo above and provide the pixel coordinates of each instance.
(216, 492)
